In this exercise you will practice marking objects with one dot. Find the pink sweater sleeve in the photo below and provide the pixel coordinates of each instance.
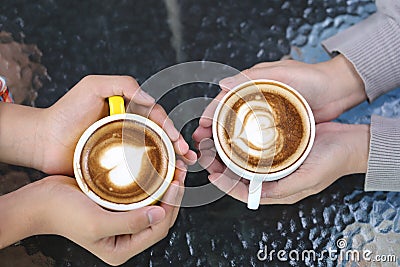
(373, 47)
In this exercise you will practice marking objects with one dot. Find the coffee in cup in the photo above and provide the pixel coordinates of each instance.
(263, 130)
(124, 161)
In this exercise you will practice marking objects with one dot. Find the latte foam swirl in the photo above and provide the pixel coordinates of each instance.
(118, 171)
(254, 131)
(262, 128)
(124, 162)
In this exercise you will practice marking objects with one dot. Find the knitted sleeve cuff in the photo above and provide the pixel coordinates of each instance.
(373, 47)
(384, 155)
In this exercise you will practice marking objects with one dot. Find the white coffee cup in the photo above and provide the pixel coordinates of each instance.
(256, 179)
(117, 113)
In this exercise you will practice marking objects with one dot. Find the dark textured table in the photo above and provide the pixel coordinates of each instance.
(140, 38)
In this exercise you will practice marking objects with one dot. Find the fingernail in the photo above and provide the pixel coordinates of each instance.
(155, 215)
(146, 96)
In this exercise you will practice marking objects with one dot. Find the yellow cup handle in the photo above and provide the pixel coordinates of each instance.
(117, 105)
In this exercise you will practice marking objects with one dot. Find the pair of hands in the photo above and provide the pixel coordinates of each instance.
(330, 88)
(56, 204)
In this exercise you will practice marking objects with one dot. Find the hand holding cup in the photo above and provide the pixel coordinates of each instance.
(263, 130)
(124, 161)
(330, 88)
(85, 104)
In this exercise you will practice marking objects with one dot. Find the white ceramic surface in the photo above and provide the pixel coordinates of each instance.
(256, 179)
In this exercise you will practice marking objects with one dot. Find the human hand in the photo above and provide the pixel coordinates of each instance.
(330, 87)
(338, 150)
(56, 205)
(64, 122)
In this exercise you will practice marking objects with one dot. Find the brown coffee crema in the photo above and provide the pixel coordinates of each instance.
(263, 128)
(124, 162)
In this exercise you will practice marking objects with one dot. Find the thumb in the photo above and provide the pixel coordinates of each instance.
(105, 86)
(270, 70)
(129, 222)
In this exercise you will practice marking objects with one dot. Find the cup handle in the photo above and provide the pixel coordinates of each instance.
(255, 187)
(116, 104)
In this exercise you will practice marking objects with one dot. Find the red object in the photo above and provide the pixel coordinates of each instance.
(5, 94)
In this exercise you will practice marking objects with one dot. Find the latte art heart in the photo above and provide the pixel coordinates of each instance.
(254, 131)
(118, 172)
(124, 162)
(263, 128)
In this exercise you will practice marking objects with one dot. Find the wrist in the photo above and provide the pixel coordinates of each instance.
(358, 140)
(344, 82)
(42, 140)
(21, 214)
(21, 135)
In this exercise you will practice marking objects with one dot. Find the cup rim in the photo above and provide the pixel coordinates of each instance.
(264, 176)
(120, 206)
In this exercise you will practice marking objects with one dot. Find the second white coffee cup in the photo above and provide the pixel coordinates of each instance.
(256, 179)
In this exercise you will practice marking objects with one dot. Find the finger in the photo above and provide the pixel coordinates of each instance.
(172, 196)
(206, 144)
(106, 85)
(287, 200)
(182, 149)
(208, 114)
(266, 64)
(235, 188)
(181, 171)
(202, 133)
(180, 146)
(189, 158)
(176, 209)
(254, 73)
(287, 186)
(171, 203)
(157, 114)
(208, 161)
(130, 222)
